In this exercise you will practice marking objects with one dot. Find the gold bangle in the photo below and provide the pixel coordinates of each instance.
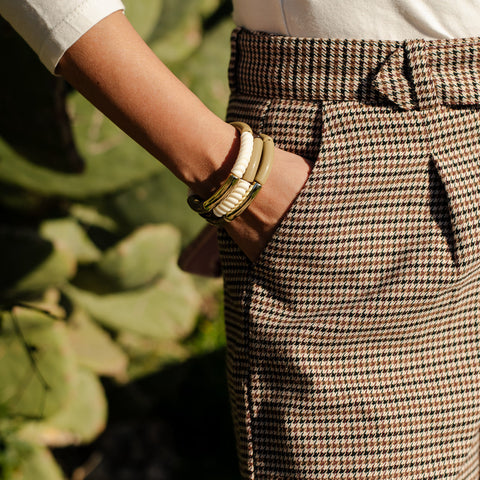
(202, 206)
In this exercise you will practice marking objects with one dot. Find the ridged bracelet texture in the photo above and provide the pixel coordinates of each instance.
(247, 176)
(241, 163)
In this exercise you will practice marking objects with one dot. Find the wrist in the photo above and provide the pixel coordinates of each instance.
(215, 163)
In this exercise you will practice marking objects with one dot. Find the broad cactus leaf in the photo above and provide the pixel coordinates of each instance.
(180, 29)
(41, 390)
(142, 257)
(175, 45)
(113, 160)
(205, 71)
(31, 263)
(165, 310)
(34, 120)
(161, 198)
(18, 202)
(148, 355)
(39, 464)
(12, 451)
(81, 420)
(47, 302)
(174, 14)
(91, 217)
(94, 348)
(67, 233)
(144, 15)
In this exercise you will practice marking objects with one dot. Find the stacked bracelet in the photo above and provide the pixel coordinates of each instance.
(248, 174)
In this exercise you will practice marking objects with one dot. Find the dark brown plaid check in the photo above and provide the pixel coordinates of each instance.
(353, 342)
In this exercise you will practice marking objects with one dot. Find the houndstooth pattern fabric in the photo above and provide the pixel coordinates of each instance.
(353, 342)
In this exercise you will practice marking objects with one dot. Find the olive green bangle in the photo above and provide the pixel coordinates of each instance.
(267, 159)
(252, 169)
(242, 127)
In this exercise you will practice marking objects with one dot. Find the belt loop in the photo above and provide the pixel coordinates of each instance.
(392, 80)
(421, 74)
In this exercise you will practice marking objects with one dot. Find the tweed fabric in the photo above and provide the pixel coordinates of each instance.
(353, 341)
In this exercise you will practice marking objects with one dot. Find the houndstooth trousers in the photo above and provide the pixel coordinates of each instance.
(353, 342)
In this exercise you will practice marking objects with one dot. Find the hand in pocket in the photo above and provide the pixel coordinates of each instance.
(255, 227)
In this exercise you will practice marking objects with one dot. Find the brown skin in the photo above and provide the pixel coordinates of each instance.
(116, 71)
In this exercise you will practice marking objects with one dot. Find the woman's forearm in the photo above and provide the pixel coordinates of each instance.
(114, 69)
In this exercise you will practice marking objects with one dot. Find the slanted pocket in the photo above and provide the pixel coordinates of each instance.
(362, 225)
(459, 171)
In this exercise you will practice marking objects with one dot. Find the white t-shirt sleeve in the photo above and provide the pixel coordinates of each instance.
(50, 27)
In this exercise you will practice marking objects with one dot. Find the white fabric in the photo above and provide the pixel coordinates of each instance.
(362, 19)
(50, 27)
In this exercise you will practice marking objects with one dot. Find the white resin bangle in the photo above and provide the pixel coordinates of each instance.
(233, 199)
(247, 199)
(244, 154)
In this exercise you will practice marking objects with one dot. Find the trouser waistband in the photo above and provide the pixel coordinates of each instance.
(412, 74)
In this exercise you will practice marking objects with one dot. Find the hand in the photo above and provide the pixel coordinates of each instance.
(254, 228)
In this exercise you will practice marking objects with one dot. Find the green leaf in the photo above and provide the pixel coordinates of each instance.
(173, 46)
(38, 465)
(144, 15)
(81, 420)
(205, 72)
(90, 216)
(148, 355)
(175, 16)
(37, 367)
(165, 310)
(34, 120)
(161, 198)
(142, 257)
(31, 263)
(12, 450)
(113, 160)
(94, 348)
(47, 302)
(69, 235)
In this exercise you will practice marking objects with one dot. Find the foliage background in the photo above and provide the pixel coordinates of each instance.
(111, 359)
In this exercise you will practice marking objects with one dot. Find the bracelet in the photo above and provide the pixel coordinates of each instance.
(249, 173)
(267, 159)
(253, 166)
(242, 186)
(204, 206)
(241, 164)
(246, 148)
(260, 178)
